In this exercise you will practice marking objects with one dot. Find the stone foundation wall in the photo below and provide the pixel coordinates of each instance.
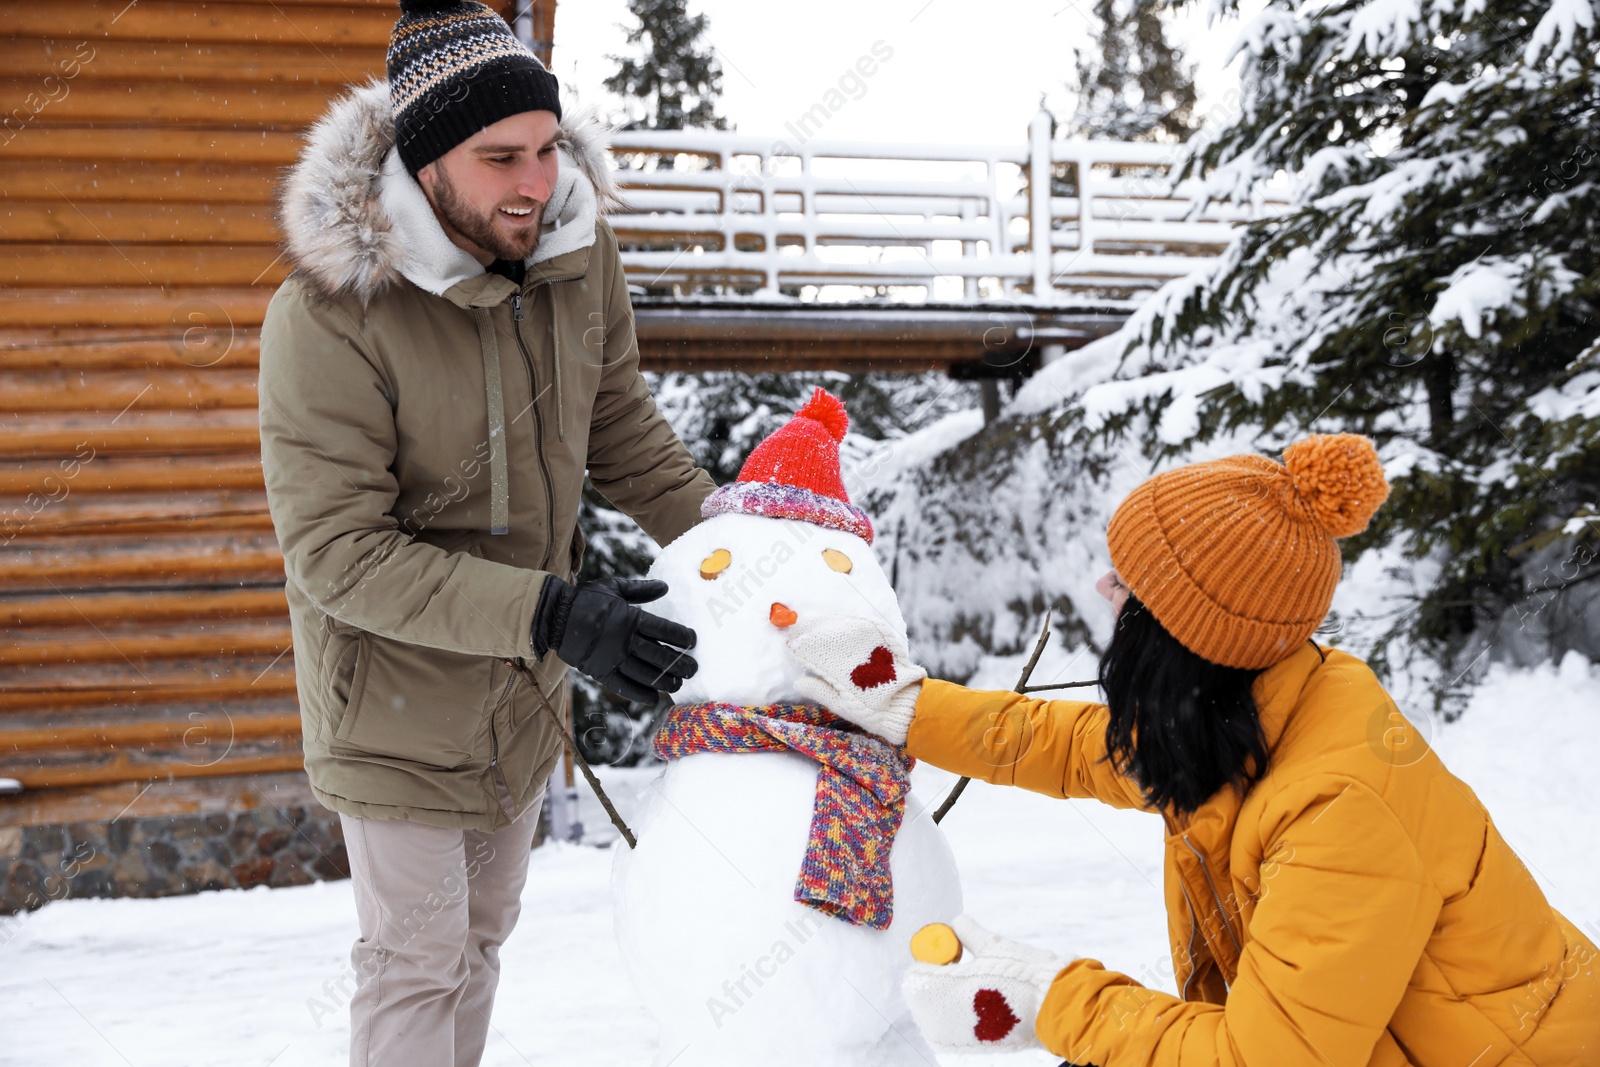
(166, 855)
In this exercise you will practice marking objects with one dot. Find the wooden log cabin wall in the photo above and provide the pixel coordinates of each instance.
(147, 701)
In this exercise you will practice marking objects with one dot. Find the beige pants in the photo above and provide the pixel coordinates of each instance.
(434, 907)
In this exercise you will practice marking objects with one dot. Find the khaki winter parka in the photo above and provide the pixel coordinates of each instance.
(1356, 907)
(425, 429)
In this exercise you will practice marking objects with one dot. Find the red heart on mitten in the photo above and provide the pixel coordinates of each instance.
(878, 670)
(995, 1017)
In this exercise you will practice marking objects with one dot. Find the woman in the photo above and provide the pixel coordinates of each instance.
(1334, 895)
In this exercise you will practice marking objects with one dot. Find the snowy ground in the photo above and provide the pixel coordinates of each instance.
(250, 978)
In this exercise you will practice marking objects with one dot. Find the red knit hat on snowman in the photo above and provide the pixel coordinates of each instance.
(794, 473)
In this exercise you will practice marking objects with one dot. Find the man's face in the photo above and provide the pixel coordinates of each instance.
(490, 190)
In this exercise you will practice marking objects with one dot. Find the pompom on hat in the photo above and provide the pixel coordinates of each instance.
(1238, 557)
(794, 473)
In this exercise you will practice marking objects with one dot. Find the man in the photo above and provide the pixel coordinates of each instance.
(453, 349)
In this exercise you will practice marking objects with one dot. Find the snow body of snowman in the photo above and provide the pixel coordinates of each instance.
(734, 970)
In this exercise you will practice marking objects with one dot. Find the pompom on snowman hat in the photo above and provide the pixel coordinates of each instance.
(794, 473)
(1238, 557)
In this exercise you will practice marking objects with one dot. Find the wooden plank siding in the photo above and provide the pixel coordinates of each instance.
(146, 638)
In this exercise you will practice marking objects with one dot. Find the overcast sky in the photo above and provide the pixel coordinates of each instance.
(957, 72)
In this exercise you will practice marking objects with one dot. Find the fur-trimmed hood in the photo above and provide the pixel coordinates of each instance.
(356, 222)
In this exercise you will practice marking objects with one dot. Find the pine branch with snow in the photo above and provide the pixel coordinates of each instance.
(1434, 284)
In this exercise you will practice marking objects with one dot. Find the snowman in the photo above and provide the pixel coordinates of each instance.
(783, 864)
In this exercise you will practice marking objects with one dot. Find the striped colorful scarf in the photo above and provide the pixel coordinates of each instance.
(861, 795)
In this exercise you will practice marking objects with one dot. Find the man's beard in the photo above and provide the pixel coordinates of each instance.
(480, 229)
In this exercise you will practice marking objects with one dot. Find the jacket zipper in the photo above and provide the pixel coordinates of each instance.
(1194, 928)
(1221, 912)
(494, 741)
(538, 433)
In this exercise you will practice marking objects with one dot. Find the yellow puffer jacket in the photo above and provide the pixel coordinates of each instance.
(1356, 907)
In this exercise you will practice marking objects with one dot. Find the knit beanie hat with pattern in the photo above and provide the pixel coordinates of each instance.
(1238, 557)
(455, 67)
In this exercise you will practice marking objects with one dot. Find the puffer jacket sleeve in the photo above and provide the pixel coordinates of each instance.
(636, 461)
(327, 448)
(1343, 913)
(1055, 747)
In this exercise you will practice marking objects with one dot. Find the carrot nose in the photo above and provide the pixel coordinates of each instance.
(782, 615)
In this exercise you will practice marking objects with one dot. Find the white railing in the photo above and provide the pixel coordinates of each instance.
(745, 215)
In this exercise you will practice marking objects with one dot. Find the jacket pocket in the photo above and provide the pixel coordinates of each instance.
(421, 704)
(528, 703)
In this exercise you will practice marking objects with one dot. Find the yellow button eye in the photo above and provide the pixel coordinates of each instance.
(837, 560)
(713, 565)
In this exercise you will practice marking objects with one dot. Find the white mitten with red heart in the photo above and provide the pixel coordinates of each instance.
(861, 670)
(988, 999)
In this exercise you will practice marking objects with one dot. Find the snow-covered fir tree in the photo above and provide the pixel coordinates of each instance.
(674, 83)
(1431, 281)
(1132, 84)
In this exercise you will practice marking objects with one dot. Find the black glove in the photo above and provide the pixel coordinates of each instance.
(596, 628)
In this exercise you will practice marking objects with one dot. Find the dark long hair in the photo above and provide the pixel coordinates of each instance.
(1181, 727)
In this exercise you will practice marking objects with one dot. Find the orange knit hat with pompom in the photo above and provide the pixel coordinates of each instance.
(1238, 557)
